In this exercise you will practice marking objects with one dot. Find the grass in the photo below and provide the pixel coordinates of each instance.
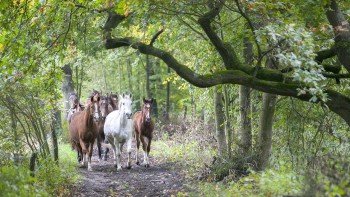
(271, 182)
(50, 179)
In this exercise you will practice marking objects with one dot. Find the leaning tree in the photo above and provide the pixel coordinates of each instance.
(297, 77)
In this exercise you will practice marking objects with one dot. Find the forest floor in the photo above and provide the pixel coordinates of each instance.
(160, 179)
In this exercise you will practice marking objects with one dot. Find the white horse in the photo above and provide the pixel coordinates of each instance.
(118, 129)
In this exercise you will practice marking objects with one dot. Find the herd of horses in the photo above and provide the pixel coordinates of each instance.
(108, 119)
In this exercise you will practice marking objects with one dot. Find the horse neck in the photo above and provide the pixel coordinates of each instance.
(122, 117)
(143, 118)
(88, 117)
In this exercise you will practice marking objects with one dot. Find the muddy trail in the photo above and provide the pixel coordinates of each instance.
(160, 179)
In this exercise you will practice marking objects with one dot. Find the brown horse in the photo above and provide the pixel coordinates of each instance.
(104, 104)
(83, 130)
(143, 128)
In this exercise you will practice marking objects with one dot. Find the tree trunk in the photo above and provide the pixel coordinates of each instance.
(228, 128)
(148, 68)
(129, 70)
(167, 104)
(220, 122)
(245, 138)
(67, 85)
(265, 132)
(245, 104)
(54, 137)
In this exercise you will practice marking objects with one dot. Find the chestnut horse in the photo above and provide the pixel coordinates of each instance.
(83, 130)
(118, 129)
(143, 128)
(100, 125)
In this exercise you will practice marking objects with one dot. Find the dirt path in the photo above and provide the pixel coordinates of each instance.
(160, 179)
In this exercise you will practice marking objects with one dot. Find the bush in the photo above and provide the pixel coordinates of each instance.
(17, 182)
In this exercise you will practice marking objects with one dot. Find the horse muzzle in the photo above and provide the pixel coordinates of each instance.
(128, 115)
(148, 120)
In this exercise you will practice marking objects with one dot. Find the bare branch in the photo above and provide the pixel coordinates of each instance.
(156, 36)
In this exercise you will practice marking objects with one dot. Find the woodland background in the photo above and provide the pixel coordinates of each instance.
(252, 97)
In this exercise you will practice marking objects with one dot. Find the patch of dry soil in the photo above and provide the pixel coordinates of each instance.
(160, 179)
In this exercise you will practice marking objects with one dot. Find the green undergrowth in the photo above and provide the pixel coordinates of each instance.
(280, 181)
(271, 182)
(187, 154)
(50, 179)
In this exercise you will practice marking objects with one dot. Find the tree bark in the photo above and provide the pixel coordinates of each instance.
(67, 85)
(245, 137)
(228, 127)
(148, 68)
(265, 130)
(167, 104)
(220, 122)
(341, 30)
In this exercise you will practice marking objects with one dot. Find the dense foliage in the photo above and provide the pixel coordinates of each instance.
(204, 43)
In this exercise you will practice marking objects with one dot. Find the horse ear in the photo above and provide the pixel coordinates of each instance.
(92, 99)
(130, 96)
(152, 100)
(144, 99)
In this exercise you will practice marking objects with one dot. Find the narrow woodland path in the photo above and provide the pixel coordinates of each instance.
(160, 179)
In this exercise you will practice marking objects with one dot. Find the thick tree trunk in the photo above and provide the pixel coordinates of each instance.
(220, 123)
(228, 127)
(67, 85)
(341, 30)
(245, 104)
(264, 142)
(245, 132)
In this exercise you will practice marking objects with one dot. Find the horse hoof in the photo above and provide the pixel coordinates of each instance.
(137, 163)
(105, 159)
(128, 167)
(147, 165)
(115, 165)
(82, 166)
(90, 169)
(119, 169)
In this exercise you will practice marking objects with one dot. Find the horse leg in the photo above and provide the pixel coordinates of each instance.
(144, 147)
(99, 149)
(114, 150)
(148, 150)
(117, 153)
(80, 155)
(137, 148)
(83, 147)
(106, 150)
(90, 155)
(129, 142)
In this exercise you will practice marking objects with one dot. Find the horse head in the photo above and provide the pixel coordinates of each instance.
(146, 109)
(125, 105)
(73, 100)
(95, 107)
(113, 100)
(103, 107)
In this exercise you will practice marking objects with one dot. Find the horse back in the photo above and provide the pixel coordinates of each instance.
(79, 129)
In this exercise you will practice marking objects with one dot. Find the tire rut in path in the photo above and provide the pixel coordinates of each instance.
(160, 179)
